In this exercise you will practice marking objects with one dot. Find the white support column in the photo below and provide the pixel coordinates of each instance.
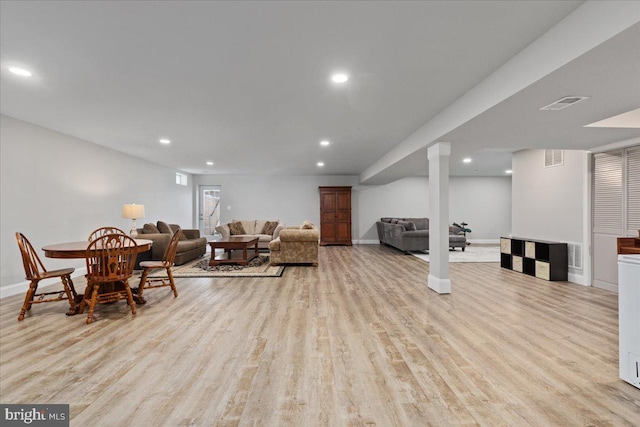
(439, 217)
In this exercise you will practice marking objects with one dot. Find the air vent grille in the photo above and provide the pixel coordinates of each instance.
(553, 158)
(564, 102)
(575, 255)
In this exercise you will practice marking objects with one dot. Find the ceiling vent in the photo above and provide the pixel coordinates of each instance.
(553, 158)
(564, 102)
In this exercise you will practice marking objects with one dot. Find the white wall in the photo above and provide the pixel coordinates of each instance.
(482, 202)
(57, 188)
(290, 199)
(550, 203)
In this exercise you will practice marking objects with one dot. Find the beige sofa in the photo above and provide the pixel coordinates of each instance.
(252, 228)
(295, 245)
(190, 246)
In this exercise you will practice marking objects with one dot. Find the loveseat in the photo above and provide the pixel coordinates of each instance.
(296, 245)
(190, 246)
(264, 230)
(412, 234)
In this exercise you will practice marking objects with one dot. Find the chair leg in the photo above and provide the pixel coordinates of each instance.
(67, 290)
(172, 282)
(28, 299)
(143, 281)
(130, 297)
(92, 304)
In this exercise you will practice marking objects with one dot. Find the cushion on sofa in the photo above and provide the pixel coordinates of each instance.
(187, 245)
(150, 229)
(386, 219)
(307, 225)
(248, 225)
(421, 223)
(409, 226)
(164, 228)
(175, 228)
(269, 227)
(236, 228)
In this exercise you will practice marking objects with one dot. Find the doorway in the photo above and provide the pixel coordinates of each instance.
(209, 215)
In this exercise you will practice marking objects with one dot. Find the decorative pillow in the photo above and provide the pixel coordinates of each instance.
(176, 228)
(408, 226)
(236, 228)
(306, 225)
(150, 229)
(164, 228)
(269, 227)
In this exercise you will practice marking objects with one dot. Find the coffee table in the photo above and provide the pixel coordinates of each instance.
(234, 244)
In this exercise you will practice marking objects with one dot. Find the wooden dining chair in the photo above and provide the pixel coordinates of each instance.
(104, 230)
(110, 261)
(166, 263)
(35, 272)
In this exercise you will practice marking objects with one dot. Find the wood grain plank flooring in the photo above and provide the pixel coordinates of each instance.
(358, 341)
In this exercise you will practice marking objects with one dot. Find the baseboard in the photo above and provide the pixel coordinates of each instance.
(21, 288)
(484, 241)
(578, 279)
(441, 286)
(366, 242)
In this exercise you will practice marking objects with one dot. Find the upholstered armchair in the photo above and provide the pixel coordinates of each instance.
(296, 245)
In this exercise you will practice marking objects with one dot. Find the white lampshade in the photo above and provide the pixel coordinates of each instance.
(133, 211)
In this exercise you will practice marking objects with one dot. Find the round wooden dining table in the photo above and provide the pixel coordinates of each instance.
(79, 249)
(71, 250)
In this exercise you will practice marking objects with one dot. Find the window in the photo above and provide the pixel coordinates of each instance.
(181, 179)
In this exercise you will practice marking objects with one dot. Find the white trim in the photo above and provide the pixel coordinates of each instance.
(441, 286)
(605, 285)
(578, 279)
(587, 225)
(21, 288)
(366, 242)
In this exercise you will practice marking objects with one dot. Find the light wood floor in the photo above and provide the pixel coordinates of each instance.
(358, 341)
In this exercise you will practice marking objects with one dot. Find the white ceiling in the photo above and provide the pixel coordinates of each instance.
(246, 84)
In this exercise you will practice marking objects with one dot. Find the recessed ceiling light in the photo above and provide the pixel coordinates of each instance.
(324, 143)
(466, 160)
(210, 163)
(509, 171)
(165, 141)
(339, 78)
(20, 71)
(320, 164)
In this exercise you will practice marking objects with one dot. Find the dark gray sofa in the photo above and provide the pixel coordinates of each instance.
(412, 234)
(190, 246)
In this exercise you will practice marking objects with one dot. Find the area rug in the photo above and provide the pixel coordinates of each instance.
(472, 253)
(257, 267)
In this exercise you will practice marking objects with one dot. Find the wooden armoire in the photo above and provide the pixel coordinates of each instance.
(335, 215)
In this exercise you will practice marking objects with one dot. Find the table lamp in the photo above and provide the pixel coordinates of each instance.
(133, 212)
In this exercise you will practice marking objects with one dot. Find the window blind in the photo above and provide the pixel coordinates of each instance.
(633, 189)
(607, 198)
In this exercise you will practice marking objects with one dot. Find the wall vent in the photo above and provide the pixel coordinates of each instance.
(575, 255)
(564, 102)
(553, 158)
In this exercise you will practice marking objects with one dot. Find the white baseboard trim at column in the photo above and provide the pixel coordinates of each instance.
(441, 286)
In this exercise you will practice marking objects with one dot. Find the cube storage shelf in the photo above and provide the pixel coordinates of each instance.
(539, 258)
